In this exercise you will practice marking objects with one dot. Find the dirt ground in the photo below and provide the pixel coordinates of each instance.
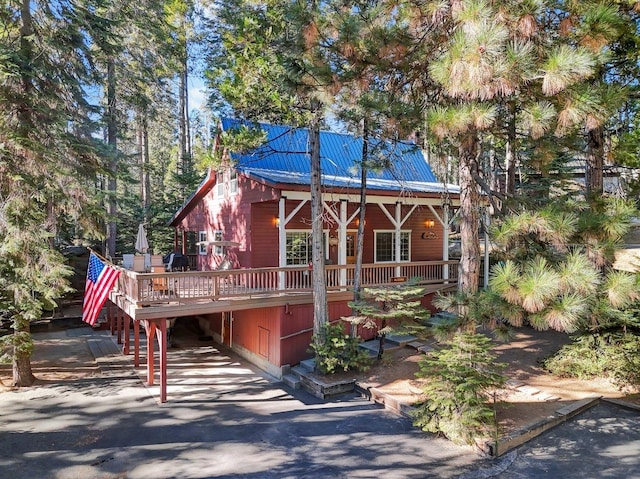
(531, 394)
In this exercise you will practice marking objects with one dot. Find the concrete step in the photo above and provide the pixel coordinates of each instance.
(291, 380)
(372, 346)
(308, 364)
(400, 339)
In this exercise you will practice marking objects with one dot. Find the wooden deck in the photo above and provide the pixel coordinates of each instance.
(175, 294)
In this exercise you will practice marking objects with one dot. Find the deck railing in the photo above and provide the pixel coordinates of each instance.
(150, 288)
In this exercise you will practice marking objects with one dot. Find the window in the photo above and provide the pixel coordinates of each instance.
(298, 247)
(233, 181)
(217, 236)
(220, 183)
(386, 246)
(202, 238)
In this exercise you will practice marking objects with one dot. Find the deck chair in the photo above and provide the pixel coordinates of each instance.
(160, 286)
(127, 261)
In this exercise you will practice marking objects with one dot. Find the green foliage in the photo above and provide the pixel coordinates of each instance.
(459, 379)
(391, 308)
(614, 355)
(556, 268)
(336, 351)
(242, 139)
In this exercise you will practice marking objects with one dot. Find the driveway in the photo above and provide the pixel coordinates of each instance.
(223, 419)
(92, 417)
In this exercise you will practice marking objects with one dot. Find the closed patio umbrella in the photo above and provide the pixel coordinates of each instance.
(142, 244)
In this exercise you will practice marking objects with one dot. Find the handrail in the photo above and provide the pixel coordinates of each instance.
(149, 288)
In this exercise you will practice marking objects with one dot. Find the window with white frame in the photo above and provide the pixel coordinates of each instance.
(233, 181)
(202, 238)
(385, 246)
(298, 247)
(217, 236)
(220, 183)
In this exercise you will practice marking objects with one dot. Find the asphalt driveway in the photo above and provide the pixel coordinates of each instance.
(226, 419)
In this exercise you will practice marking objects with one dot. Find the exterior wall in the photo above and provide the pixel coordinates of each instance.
(264, 235)
(248, 217)
(274, 337)
(232, 215)
(426, 243)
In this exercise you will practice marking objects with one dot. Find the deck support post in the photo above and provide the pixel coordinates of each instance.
(109, 313)
(159, 326)
(127, 336)
(136, 343)
(119, 320)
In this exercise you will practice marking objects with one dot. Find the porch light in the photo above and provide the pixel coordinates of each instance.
(276, 221)
(429, 224)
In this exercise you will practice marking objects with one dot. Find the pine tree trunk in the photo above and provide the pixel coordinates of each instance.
(510, 154)
(320, 314)
(145, 178)
(183, 128)
(595, 162)
(112, 140)
(22, 373)
(357, 274)
(469, 215)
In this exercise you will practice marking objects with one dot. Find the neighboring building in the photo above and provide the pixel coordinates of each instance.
(254, 212)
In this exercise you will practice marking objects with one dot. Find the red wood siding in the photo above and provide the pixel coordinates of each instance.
(233, 216)
(264, 235)
(246, 332)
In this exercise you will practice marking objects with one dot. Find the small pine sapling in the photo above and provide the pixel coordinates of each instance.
(390, 308)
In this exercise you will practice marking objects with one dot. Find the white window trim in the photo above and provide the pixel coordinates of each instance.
(217, 236)
(325, 239)
(233, 182)
(375, 246)
(220, 183)
(202, 248)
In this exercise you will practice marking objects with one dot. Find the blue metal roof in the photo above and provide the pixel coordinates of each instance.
(283, 159)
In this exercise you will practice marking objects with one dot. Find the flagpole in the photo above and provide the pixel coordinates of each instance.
(100, 257)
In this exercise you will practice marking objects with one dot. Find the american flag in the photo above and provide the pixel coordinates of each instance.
(100, 279)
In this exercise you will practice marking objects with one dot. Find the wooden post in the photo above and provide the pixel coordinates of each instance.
(109, 313)
(136, 343)
(119, 319)
(127, 338)
(162, 343)
(150, 327)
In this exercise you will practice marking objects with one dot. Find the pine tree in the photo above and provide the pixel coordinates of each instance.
(395, 308)
(459, 380)
(275, 53)
(48, 156)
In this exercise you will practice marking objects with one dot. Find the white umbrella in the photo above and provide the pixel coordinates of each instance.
(142, 244)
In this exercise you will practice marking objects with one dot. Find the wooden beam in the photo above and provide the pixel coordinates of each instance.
(136, 344)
